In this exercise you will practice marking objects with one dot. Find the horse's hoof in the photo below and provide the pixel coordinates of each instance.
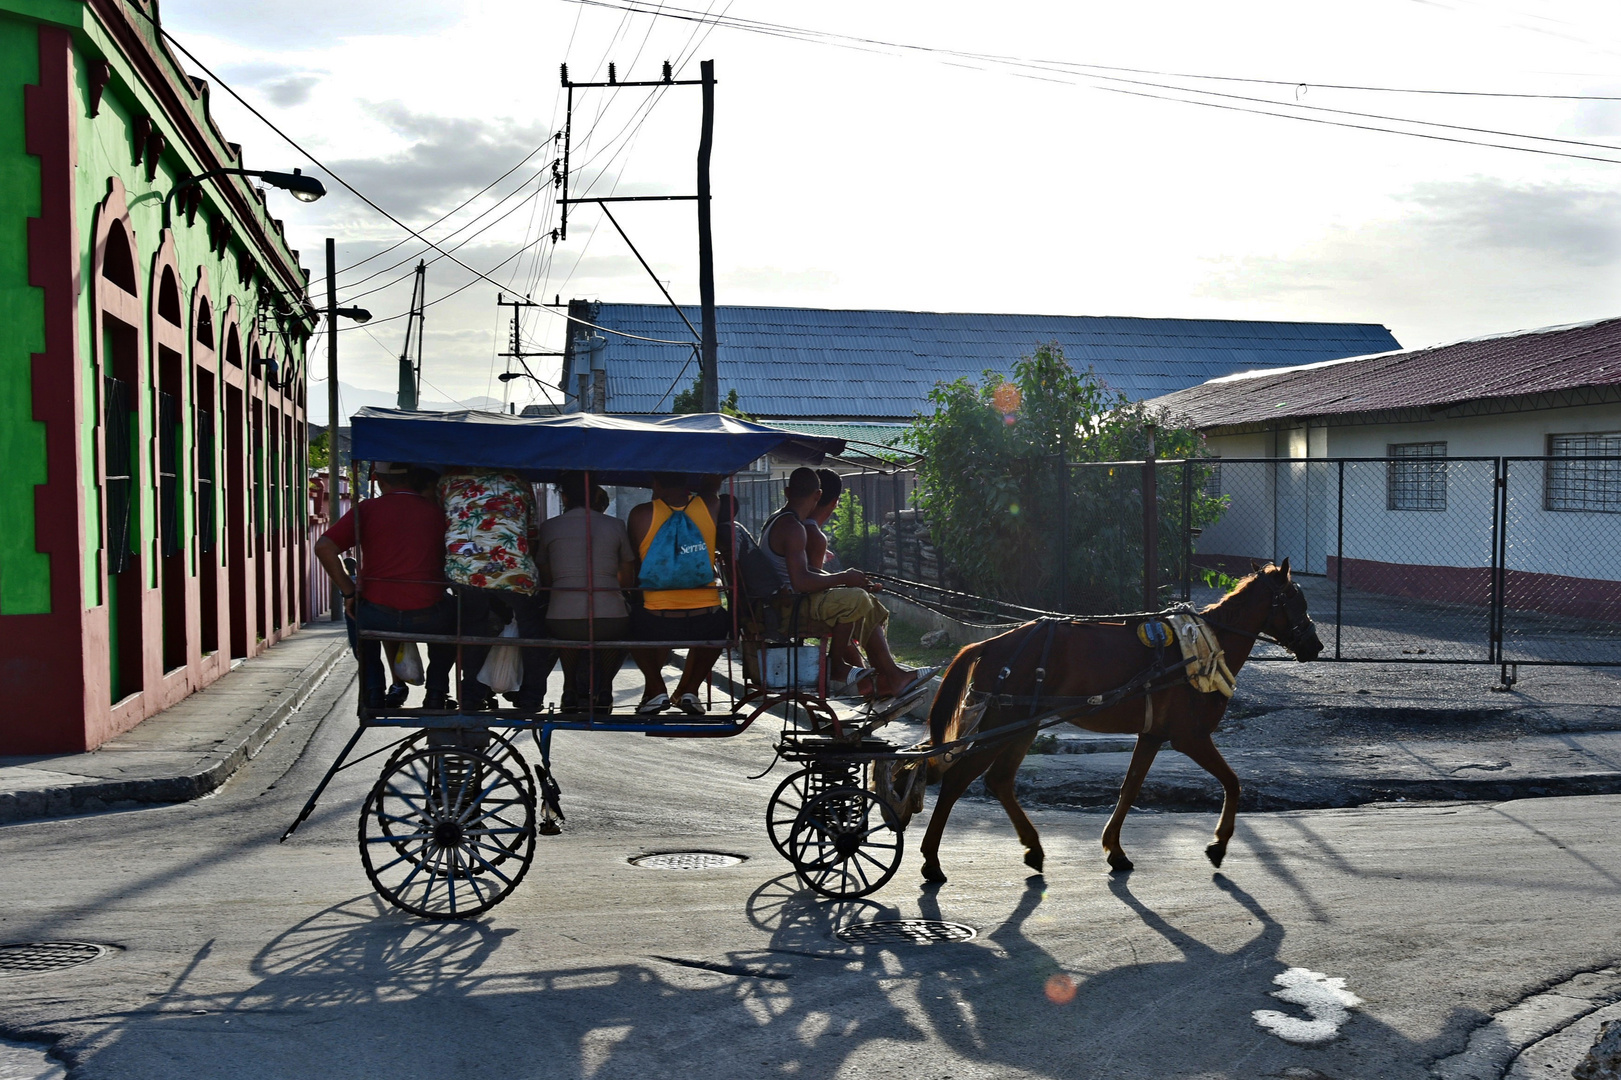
(932, 872)
(1215, 853)
(1034, 859)
(1119, 864)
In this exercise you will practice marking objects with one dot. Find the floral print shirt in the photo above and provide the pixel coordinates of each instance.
(487, 518)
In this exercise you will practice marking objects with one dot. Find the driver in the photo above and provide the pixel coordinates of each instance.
(843, 601)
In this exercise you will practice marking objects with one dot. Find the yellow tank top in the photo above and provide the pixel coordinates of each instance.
(681, 599)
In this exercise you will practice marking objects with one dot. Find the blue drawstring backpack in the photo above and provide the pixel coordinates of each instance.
(677, 557)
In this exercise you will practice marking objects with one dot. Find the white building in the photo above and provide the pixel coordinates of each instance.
(1425, 473)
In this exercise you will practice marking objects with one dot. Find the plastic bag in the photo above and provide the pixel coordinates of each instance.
(405, 660)
(503, 668)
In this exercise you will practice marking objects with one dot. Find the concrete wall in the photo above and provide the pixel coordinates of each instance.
(1292, 508)
(97, 125)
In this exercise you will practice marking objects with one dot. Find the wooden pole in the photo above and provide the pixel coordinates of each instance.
(708, 366)
(1150, 528)
(332, 406)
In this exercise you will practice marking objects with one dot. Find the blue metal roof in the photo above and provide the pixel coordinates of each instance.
(812, 362)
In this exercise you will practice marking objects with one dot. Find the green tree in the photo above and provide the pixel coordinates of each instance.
(691, 400)
(318, 456)
(855, 540)
(1000, 504)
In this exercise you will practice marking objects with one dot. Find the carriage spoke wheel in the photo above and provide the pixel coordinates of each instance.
(794, 792)
(500, 747)
(845, 843)
(447, 833)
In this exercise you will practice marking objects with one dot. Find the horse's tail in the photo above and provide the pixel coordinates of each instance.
(953, 685)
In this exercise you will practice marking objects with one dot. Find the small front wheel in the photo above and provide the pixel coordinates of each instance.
(845, 843)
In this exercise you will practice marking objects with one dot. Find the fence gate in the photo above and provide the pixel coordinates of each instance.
(1557, 564)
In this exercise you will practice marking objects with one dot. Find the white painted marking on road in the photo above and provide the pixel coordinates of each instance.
(1325, 999)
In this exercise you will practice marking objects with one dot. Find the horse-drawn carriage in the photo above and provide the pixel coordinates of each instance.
(449, 828)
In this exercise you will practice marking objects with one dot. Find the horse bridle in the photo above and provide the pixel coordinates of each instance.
(1293, 635)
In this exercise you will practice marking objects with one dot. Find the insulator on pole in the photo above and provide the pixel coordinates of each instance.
(564, 70)
(611, 76)
(668, 74)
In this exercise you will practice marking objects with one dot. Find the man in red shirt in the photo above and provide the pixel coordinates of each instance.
(401, 536)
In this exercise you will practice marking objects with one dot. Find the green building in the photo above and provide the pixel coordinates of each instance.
(153, 507)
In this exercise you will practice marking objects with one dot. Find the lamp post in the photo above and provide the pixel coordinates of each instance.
(303, 188)
(508, 376)
(333, 312)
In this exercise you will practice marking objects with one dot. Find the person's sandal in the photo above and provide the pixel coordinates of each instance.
(850, 685)
(653, 705)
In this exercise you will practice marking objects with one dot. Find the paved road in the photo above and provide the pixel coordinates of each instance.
(241, 958)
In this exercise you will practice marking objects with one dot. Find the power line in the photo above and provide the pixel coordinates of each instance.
(352, 297)
(759, 26)
(318, 163)
(453, 210)
(1065, 68)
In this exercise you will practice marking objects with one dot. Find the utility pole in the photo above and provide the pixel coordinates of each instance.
(516, 350)
(1150, 488)
(411, 367)
(708, 366)
(706, 342)
(332, 406)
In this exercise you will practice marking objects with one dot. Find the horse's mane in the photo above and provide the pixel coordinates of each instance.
(1243, 583)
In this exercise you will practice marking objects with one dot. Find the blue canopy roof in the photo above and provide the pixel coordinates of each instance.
(616, 449)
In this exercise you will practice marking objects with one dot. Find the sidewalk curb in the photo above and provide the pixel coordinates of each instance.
(96, 795)
(1261, 793)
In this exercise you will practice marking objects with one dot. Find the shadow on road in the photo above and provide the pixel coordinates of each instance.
(360, 990)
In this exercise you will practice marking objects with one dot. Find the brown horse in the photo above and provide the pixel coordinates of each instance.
(1085, 659)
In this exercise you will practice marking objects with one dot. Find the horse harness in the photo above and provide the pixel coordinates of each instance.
(1146, 683)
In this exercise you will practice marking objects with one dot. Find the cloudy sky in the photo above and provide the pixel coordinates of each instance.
(977, 168)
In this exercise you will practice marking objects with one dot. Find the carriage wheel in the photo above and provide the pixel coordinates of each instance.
(499, 747)
(499, 750)
(792, 795)
(437, 828)
(845, 843)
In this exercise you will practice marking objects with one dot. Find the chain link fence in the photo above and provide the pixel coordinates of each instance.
(1417, 558)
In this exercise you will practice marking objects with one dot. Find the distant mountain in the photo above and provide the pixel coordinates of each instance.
(353, 398)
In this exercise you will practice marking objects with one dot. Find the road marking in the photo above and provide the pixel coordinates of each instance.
(1325, 999)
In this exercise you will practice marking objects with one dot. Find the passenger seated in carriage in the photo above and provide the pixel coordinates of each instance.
(490, 520)
(585, 591)
(841, 605)
(674, 538)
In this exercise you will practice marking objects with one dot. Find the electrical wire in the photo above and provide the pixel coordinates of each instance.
(455, 232)
(758, 26)
(448, 213)
(290, 141)
(1099, 82)
(429, 262)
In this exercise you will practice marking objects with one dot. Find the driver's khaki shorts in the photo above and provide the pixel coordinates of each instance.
(820, 612)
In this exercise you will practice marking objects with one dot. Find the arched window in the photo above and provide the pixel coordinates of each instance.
(117, 347)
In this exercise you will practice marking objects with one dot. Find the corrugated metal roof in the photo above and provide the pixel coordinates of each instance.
(1530, 362)
(812, 362)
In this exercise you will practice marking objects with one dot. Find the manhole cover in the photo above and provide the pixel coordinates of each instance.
(904, 932)
(686, 860)
(36, 957)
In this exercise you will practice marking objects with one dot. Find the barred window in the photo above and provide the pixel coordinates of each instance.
(1593, 486)
(1212, 479)
(1416, 476)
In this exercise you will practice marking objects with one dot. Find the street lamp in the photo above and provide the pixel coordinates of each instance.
(303, 188)
(356, 314)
